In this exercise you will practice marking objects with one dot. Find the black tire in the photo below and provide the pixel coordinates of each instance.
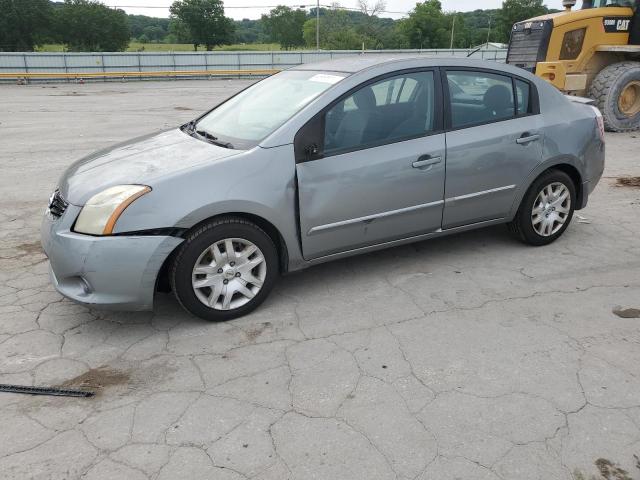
(522, 225)
(181, 271)
(606, 89)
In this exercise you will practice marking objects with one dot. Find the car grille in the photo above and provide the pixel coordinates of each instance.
(57, 205)
(529, 43)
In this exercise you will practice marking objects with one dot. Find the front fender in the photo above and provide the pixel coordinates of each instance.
(259, 183)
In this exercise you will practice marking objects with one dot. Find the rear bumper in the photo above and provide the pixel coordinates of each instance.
(595, 159)
(116, 272)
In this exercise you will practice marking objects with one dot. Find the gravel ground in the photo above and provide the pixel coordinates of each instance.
(470, 357)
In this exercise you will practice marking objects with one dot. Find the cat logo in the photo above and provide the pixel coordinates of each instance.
(528, 25)
(616, 24)
(623, 25)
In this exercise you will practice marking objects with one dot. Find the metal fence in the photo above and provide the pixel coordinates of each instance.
(61, 65)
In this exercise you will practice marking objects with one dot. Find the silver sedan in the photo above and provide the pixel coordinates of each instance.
(317, 163)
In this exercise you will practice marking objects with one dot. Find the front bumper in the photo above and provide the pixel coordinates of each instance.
(116, 272)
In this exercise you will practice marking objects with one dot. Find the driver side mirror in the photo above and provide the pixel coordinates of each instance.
(309, 141)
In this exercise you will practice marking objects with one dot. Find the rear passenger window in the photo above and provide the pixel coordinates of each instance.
(479, 97)
(523, 96)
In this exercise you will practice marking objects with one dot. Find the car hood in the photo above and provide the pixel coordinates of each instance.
(137, 161)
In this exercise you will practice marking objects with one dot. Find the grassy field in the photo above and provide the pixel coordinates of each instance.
(175, 47)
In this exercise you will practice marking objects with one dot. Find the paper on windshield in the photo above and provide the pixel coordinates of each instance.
(326, 78)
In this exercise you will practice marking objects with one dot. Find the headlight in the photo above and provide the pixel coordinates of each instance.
(101, 212)
(572, 44)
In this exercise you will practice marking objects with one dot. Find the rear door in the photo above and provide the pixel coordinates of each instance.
(371, 166)
(494, 141)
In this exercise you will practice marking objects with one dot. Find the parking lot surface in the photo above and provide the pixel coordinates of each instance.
(471, 357)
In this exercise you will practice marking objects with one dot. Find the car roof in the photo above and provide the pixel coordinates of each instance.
(357, 63)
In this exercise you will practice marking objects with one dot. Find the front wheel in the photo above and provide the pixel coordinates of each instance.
(546, 209)
(224, 269)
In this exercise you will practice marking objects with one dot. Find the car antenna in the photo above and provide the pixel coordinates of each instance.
(474, 51)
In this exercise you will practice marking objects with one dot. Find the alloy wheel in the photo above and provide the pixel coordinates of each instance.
(229, 273)
(551, 209)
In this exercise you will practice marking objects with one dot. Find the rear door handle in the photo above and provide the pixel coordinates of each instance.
(528, 138)
(426, 161)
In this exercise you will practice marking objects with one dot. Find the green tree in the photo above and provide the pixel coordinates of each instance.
(462, 36)
(370, 28)
(427, 26)
(250, 31)
(154, 33)
(138, 24)
(338, 30)
(24, 24)
(205, 20)
(178, 32)
(284, 25)
(514, 11)
(90, 26)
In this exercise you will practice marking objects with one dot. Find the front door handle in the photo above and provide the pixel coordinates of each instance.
(426, 161)
(528, 138)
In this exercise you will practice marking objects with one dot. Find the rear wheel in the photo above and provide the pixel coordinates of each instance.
(224, 269)
(546, 209)
(616, 90)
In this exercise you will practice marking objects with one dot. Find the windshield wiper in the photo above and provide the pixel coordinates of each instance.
(213, 139)
(189, 128)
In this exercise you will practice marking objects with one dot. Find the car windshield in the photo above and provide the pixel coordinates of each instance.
(244, 120)
(613, 3)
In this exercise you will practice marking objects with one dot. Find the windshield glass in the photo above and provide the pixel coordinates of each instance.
(244, 120)
(613, 3)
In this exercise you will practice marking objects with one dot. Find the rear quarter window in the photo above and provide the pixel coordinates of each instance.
(523, 97)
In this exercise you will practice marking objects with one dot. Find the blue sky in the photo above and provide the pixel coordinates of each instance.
(159, 8)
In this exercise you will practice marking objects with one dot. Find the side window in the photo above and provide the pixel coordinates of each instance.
(479, 97)
(406, 90)
(385, 92)
(388, 111)
(523, 96)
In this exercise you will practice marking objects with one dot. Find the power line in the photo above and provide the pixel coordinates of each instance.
(225, 7)
(329, 7)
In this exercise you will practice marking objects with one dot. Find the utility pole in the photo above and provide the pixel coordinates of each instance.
(489, 31)
(317, 24)
(453, 29)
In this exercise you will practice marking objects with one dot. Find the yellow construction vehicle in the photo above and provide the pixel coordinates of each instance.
(593, 52)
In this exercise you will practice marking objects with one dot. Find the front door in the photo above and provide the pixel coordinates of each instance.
(495, 140)
(379, 174)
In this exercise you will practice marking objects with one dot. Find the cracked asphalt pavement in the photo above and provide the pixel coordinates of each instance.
(470, 357)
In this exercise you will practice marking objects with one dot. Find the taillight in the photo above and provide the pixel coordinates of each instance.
(599, 123)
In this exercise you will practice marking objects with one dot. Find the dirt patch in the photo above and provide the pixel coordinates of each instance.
(257, 331)
(627, 312)
(607, 471)
(32, 248)
(98, 378)
(628, 181)
(611, 471)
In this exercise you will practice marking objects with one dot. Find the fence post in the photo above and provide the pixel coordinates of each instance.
(175, 67)
(26, 67)
(66, 67)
